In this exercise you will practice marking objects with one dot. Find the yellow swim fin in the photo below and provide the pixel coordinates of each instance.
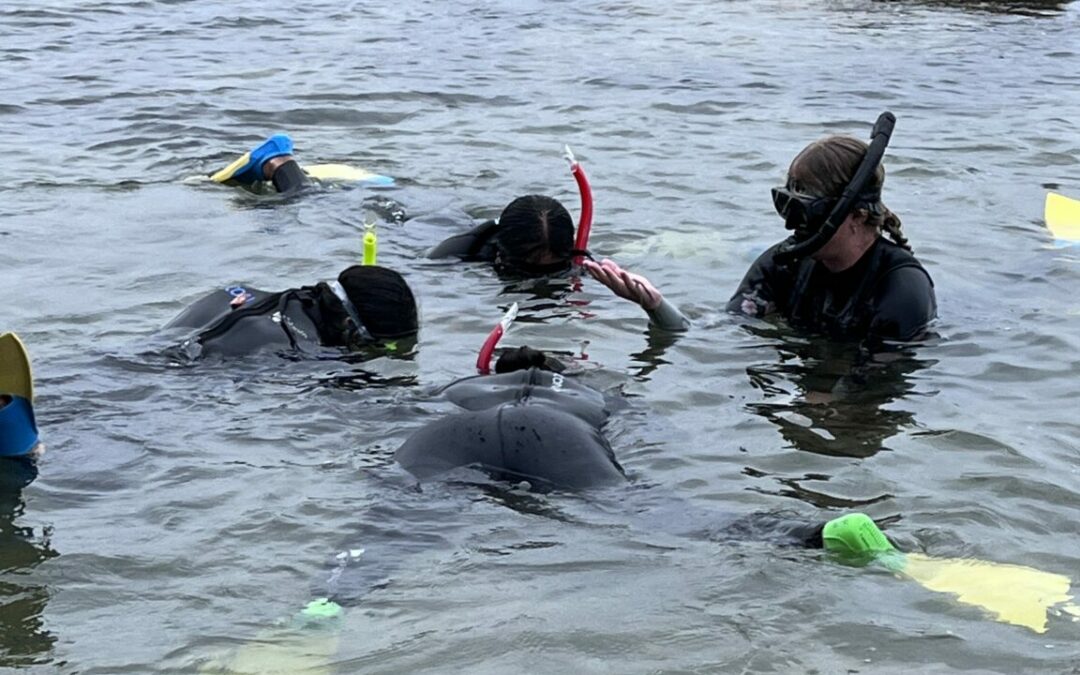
(344, 173)
(282, 651)
(306, 647)
(1022, 596)
(16, 377)
(229, 171)
(1062, 216)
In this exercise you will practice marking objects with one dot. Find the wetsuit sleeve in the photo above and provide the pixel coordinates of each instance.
(904, 305)
(673, 515)
(466, 245)
(761, 286)
(668, 317)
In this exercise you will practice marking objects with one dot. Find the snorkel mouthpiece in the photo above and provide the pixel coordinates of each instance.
(807, 238)
(18, 428)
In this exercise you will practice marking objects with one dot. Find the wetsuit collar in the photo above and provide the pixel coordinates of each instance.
(18, 429)
(339, 291)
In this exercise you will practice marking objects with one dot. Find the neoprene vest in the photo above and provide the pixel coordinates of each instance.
(841, 304)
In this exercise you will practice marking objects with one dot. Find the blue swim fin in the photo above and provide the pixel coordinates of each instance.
(248, 167)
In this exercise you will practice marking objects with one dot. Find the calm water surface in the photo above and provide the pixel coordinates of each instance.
(182, 512)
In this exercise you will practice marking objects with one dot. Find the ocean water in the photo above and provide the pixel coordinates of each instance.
(183, 513)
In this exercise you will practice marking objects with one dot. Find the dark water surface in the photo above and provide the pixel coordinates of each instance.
(182, 510)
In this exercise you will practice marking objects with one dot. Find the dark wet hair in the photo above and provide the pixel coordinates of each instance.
(383, 300)
(826, 166)
(535, 235)
(526, 357)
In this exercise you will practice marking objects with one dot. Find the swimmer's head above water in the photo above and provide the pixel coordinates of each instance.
(834, 188)
(369, 303)
(526, 357)
(535, 237)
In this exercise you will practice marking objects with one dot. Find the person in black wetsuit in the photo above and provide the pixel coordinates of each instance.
(533, 237)
(837, 274)
(272, 160)
(365, 306)
(525, 423)
(532, 427)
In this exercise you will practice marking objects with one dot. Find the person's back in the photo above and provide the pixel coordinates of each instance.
(364, 306)
(528, 425)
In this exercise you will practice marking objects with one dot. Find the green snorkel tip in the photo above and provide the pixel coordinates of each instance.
(857, 537)
(322, 608)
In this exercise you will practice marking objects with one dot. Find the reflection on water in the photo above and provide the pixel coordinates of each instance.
(830, 398)
(24, 640)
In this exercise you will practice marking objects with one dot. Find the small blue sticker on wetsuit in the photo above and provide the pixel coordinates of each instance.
(239, 294)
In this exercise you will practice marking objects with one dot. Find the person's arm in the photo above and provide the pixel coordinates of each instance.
(756, 295)
(467, 244)
(639, 290)
(904, 305)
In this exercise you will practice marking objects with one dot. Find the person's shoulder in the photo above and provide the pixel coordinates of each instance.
(471, 245)
(905, 301)
(898, 267)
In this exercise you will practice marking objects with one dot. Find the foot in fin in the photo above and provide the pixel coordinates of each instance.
(248, 168)
(858, 538)
(322, 611)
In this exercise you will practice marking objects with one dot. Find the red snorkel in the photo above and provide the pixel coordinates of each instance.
(483, 360)
(581, 243)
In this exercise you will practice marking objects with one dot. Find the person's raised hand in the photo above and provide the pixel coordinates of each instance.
(624, 284)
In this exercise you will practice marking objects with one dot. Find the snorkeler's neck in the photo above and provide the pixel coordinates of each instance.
(848, 245)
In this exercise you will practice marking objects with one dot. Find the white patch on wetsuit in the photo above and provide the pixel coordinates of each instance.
(557, 381)
(296, 329)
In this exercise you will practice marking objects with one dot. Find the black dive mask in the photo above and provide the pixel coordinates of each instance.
(814, 220)
(804, 214)
(505, 264)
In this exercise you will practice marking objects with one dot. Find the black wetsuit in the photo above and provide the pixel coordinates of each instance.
(528, 425)
(289, 320)
(885, 295)
(474, 245)
(536, 426)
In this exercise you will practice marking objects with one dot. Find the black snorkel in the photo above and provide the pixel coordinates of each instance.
(794, 248)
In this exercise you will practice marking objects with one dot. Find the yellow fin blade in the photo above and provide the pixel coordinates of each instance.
(279, 652)
(1014, 594)
(337, 172)
(227, 173)
(15, 374)
(1062, 216)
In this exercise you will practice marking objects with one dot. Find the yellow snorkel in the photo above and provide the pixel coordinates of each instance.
(371, 243)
